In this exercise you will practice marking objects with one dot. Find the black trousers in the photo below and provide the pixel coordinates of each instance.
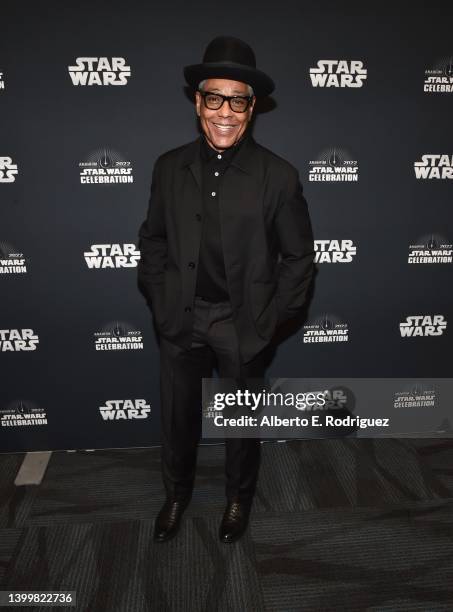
(214, 342)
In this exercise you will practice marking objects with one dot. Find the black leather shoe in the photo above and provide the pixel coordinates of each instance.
(168, 520)
(234, 521)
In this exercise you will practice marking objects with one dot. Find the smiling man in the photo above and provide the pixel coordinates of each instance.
(226, 257)
(224, 124)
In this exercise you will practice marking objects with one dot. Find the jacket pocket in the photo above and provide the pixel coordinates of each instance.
(172, 298)
(158, 306)
(263, 307)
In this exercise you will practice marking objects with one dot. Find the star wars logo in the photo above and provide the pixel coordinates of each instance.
(22, 414)
(423, 325)
(334, 251)
(431, 250)
(8, 170)
(104, 256)
(2, 81)
(99, 71)
(440, 78)
(105, 166)
(118, 337)
(338, 73)
(434, 167)
(415, 398)
(334, 165)
(11, 262)
(326, 329)
(129, 409)
(18, 340)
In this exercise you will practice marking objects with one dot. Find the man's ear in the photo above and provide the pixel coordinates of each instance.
(197, 102)
(252, 106)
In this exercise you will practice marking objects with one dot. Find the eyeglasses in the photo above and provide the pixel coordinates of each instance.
(213, 101)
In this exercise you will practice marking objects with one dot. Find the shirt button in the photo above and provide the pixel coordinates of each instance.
(198, 217)
(213, 193)
(219, 157)
(216, 173)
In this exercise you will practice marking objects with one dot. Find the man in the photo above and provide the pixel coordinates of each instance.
(223, 210)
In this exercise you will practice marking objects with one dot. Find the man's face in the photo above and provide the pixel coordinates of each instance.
(223, 127)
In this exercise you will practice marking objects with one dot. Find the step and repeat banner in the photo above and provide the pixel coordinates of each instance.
(90, 96)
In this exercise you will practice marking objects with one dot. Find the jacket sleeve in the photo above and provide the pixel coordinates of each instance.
(295, 236)
(153, 239)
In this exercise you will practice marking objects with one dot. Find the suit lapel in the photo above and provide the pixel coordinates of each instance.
(191, 158)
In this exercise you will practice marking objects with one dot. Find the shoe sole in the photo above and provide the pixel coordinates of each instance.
(232, 540)
(166, 539)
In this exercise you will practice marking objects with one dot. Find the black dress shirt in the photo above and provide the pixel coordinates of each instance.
(211, 276)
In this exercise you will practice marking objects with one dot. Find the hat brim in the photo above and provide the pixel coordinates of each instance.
(262, 84)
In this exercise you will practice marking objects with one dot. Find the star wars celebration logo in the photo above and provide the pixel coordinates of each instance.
(432, 249)
(99, 71)
(338, 73)
(326, 328)
(106, 167)
(334, 251)
(128, 409)
(439, 79)
(2, 80)
(418, 397)
(102, 256)
(334, 165)
(8, 170)
(15, 340)
(118, 336)
(20, 413)
(434, 166)
(11, 262)
(423, 325)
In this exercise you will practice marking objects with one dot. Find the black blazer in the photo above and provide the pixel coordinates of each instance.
(267, 242)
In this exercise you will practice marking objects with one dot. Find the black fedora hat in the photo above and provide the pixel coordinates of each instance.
(227, 57)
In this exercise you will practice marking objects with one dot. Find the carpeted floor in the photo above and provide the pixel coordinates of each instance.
(336, 525)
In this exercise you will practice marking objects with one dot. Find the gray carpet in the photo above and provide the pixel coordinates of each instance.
(336, 525)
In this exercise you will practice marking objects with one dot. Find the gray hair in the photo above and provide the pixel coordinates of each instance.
(201, 86)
